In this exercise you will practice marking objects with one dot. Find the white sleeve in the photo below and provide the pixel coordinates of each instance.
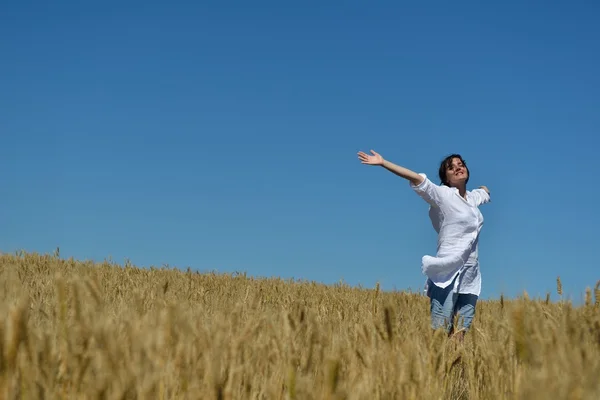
(481, 196)
(429, 191)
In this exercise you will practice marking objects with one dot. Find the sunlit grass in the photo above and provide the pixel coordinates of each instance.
(85, 330)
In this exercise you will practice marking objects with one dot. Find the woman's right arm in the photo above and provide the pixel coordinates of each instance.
(427, 190)
(377, 159)
(405, 173)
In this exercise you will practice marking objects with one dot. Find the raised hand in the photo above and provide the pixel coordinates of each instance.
(375, 159)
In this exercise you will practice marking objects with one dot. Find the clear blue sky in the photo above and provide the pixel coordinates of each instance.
(224, 135)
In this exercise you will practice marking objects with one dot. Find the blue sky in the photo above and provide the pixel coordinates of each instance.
(223, 136)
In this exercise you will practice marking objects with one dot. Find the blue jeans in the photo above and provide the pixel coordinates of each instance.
(445, 305)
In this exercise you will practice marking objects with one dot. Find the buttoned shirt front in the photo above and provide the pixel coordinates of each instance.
(458, 222)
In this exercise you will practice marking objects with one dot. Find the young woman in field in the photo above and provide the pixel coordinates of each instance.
(453, 277)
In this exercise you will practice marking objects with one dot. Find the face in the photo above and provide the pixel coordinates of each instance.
(456, 173)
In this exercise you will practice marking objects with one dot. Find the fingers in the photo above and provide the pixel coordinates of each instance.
(367, 159)
(363, 154)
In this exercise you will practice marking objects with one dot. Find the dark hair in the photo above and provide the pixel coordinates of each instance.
(446, 163)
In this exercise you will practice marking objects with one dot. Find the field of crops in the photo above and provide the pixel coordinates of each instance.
(83, 330)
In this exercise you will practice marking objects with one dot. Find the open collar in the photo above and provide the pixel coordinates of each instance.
(467, 193)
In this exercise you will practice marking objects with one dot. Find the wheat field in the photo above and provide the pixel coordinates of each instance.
(83, 330)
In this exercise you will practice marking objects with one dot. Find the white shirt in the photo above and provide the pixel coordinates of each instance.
(458, 223)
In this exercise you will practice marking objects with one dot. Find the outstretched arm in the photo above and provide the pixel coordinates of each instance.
(430, 192)
(482, 195)
(377, 159)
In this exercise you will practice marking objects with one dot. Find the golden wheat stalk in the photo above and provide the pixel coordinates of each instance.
(99, 330)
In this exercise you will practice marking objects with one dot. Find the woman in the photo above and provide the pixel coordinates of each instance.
(453, 277)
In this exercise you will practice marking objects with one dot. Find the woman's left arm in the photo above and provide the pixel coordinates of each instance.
(482, 195)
